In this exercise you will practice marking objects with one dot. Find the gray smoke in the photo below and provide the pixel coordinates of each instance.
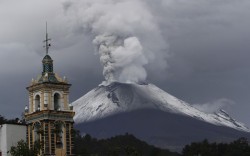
(127, 36)
(215, 106)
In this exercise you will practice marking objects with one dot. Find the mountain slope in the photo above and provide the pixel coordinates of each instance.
(151, 115)
(108, 100)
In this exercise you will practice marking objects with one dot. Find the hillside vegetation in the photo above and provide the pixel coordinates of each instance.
(128, 145)
(122, 145)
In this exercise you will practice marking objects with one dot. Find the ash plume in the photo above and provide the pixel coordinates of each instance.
(126, 36)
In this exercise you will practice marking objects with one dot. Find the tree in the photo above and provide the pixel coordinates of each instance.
(121, 145)
(238, 147)
(22, 149)
(2, 120)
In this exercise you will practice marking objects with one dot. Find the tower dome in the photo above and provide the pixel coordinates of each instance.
(48, 75)
(47, 64)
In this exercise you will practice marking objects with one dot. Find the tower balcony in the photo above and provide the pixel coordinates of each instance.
(50, 115)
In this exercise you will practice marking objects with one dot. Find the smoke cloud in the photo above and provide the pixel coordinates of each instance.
(126, 36)
(215, 106)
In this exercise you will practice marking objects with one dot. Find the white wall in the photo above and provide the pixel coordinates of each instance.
(10, 134)
(1, 138)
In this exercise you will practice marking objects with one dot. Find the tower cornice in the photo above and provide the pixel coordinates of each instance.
(48, 85)
(50, 115)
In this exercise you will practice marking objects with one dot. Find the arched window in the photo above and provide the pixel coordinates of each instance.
(59, 133)
(57, 101)
(37, 131)
(37, 103)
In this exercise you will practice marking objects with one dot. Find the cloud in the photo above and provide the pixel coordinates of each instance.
(206, 44)
(215, 106)
(201, 32)
(14, 57)
(126, 36)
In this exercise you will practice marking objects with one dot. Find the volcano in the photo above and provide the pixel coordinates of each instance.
(152, 115)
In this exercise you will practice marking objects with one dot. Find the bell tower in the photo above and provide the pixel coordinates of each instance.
(49, 115)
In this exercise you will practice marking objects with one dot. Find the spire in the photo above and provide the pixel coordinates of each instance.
(47, 75)
(47, 61)
(47, 39)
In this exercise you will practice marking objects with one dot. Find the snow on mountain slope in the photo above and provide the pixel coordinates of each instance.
(105, 101)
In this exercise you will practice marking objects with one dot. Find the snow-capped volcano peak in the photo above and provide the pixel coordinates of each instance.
(114, 98)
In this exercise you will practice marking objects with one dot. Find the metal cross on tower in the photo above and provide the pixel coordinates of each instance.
(47, 44)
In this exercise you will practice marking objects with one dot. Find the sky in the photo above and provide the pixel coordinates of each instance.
(198, 51)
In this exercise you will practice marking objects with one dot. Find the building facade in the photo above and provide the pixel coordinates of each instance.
(10, 134)
(49, 115)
